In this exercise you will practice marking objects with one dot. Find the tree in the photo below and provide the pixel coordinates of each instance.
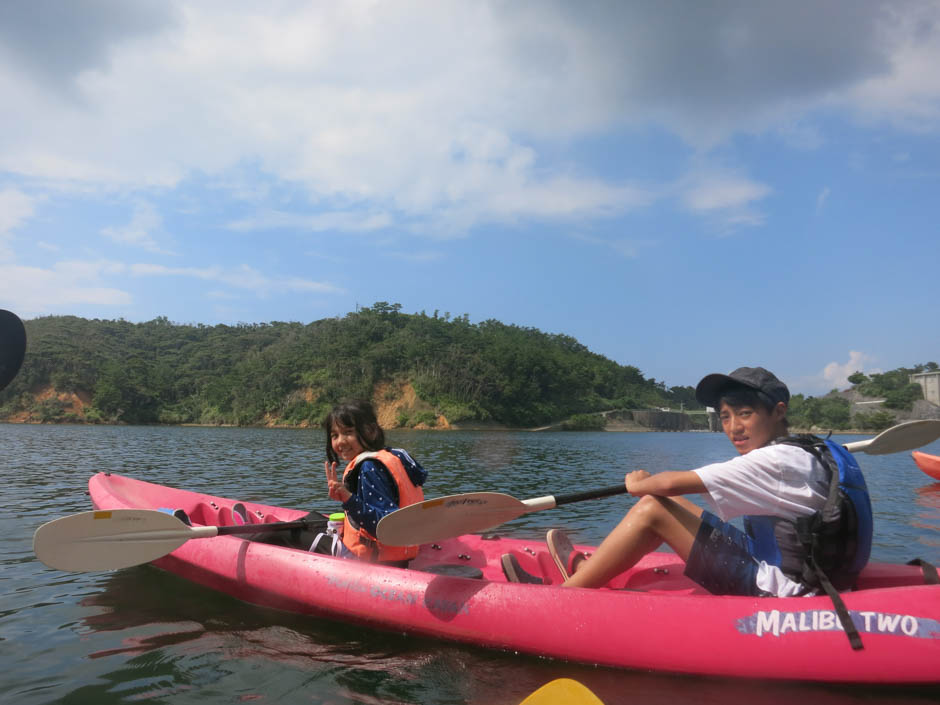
(857, 378)
(875, 421)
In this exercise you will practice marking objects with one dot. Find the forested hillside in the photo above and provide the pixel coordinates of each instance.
(291, 373)
(872, 403)
(451, 371)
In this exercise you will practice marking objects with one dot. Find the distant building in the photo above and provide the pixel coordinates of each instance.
(930, 382)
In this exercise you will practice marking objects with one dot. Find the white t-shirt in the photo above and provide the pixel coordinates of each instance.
(778, 480)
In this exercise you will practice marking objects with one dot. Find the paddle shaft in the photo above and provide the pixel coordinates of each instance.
(208, 532)
(591, 494)
(259, 528)
(188, 533)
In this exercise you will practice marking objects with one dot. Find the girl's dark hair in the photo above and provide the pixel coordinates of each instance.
(357, 414)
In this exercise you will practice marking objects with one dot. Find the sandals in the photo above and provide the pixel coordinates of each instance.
(515, 573)
(562, 552)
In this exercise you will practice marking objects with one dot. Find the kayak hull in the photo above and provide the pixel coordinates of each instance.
(930, 464)
(653, 619)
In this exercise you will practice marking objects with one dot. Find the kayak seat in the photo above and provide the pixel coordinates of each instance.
(227, 517)
(240, 514)
(209, 513)
(203, 514)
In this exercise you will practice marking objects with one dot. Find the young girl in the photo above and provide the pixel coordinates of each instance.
(377, 480)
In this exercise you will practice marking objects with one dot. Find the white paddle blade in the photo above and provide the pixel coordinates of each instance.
(110, 539)
(447, 517)
(904, 436)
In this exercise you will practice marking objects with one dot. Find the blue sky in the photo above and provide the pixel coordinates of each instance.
(683, 187)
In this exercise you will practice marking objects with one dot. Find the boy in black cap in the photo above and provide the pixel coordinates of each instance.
(780, 482)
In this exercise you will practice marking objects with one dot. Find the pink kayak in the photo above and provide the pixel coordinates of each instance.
(930, 464)
(650, 618)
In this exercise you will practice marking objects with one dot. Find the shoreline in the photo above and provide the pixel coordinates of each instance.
(452, 428)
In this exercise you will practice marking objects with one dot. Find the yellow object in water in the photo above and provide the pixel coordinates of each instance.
(562, 691)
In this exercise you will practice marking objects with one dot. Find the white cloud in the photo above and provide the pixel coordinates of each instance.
(327, 99)
(725, 196)
(16, 208)
(822, 198)
(139, 232)
(33, 291)
(436, 115)
(243, 277)
(718, 192)
(836, 375)
(348, 221)
(907, 93)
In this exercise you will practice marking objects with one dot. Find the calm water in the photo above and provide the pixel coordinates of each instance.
(140, 635)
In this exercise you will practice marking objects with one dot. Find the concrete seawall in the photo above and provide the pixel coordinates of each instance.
(657, 420)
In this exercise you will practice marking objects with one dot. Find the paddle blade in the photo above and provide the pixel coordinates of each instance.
(108, 540)
(904, 436)
(447, 517)
(563, 691)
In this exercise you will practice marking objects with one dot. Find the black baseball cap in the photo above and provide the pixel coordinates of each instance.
(708, 391)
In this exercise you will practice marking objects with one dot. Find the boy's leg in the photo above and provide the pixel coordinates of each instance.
(650, 522)
(722, 559)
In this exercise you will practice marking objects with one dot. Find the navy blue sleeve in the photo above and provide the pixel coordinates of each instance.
(375, 497)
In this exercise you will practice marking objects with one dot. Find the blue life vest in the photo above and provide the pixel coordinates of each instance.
(835, 541)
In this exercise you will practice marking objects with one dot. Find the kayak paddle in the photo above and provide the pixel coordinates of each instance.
(120, 538)
(905, 436)
(563, 691)
(472, 512)
(12, 346)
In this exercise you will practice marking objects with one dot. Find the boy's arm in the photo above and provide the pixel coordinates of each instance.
(664, 484)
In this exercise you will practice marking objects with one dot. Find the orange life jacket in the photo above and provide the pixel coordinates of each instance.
(360, 541)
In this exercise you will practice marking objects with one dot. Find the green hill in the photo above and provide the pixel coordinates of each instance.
(425, 370)
(872, 403)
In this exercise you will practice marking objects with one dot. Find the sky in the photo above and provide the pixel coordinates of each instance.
(682, 187)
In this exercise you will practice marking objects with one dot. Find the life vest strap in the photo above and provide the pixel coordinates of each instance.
(842, 612)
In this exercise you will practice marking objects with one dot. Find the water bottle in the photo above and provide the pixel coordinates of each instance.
(335, 524)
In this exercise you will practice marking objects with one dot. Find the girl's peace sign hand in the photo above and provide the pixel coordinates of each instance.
(336, 487)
